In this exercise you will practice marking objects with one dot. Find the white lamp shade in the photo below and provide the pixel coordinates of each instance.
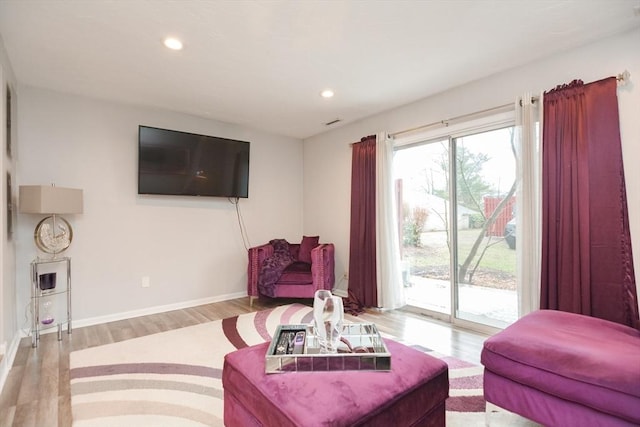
(49, 199)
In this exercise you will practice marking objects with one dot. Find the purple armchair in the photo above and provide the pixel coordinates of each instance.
(300, 279)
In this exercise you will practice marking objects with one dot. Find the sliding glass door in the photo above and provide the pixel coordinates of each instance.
(456, 205)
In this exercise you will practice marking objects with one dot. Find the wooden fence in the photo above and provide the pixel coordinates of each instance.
(490, 205)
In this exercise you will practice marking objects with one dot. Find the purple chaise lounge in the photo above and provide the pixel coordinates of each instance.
(565, 369)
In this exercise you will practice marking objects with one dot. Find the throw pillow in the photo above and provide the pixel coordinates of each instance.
(306, 245)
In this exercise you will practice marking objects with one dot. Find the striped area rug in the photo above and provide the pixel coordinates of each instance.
(174, 378)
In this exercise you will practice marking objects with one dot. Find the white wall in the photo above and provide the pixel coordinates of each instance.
(327, 157)
(8, 332)
(191, 248)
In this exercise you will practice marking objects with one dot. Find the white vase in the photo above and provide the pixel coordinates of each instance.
(328, 320)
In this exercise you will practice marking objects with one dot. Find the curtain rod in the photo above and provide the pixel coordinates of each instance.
(622, 78)
(446, 122)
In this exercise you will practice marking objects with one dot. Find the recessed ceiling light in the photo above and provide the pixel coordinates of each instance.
(173, 43)
(327, 93)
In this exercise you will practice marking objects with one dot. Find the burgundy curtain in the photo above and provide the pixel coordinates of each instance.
(587, 264)
(362, 242)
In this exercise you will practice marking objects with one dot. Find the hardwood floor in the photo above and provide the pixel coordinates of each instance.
(37, 392)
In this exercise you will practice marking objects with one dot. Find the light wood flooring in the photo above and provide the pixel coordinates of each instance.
(36, 393)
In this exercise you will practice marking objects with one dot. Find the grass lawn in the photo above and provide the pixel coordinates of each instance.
(496, 269)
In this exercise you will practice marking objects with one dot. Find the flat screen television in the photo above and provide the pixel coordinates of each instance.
(186, 164)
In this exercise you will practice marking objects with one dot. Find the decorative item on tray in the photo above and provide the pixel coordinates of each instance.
(327, 344)
(296, 348)
(328, 320)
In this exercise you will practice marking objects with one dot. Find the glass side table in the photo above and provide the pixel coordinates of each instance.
(50, 296)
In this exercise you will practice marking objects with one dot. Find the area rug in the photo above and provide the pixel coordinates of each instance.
(174, 378)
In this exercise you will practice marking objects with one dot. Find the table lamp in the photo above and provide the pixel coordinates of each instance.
(53, 234)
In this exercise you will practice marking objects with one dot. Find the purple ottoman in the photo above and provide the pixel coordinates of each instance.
(413, 393)
(565, 369)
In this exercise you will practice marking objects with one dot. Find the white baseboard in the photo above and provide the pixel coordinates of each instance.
(154, 310)
(81, 323)
(7, 359)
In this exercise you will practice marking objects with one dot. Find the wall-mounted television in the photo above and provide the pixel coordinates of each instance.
(186, 164)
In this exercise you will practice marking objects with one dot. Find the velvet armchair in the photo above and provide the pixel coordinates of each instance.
(310, 266)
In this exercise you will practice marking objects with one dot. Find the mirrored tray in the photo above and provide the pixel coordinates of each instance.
(361, 349)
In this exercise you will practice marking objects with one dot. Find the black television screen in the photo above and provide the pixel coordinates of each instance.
(180, 163)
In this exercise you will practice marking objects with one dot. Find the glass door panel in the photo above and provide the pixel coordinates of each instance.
(456, 211)
(485, 247)
(422, 187)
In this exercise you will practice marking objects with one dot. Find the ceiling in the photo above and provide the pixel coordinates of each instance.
(263, 64)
